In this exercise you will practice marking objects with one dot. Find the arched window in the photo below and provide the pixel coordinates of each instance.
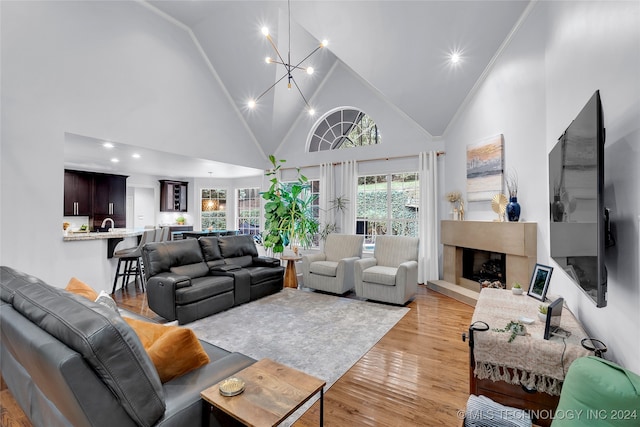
(344, 128)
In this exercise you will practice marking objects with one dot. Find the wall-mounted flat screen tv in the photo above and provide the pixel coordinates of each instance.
(578, 221)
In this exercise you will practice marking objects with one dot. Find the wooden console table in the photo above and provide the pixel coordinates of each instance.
(528, 372)
(272, 393)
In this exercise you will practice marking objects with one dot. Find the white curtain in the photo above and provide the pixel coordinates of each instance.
(327, 194)
(428, 258)
(349, 186)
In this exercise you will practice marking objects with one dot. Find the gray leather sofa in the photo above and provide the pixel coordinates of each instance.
(191, 279)
(71, 362)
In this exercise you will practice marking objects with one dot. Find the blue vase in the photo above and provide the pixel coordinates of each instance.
(513, 209)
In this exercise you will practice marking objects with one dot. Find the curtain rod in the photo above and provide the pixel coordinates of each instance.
(438, 154)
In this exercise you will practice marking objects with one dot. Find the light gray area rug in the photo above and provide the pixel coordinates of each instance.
(322, 335)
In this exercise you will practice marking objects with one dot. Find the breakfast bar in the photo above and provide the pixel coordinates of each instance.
(112, 237)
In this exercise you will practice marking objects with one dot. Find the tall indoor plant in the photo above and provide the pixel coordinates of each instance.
(288, 216)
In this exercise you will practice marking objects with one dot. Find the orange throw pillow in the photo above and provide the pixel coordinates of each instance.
(78, 287)
(173, 350)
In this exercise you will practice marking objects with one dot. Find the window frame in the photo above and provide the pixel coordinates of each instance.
(366, 224)
(224, 209)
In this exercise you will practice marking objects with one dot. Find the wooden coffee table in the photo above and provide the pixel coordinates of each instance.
(272, 393)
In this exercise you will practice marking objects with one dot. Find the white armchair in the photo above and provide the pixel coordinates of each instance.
(332, 270)
(392, 274)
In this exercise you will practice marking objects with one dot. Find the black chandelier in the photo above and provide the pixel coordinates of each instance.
(289, 67)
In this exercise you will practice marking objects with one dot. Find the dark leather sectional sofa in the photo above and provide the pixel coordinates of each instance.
(71, 362)
(191, 279)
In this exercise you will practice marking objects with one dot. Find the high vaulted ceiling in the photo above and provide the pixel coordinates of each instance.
(400, 49)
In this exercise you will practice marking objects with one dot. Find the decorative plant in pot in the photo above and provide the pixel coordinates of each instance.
(288, 217)
(180, 220)
(542, 312)
(516, 289)
(513, 208)
(339, 205)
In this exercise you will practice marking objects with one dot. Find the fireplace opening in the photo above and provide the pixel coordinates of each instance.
(484, 266)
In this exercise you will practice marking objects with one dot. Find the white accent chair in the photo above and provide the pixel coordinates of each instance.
(392, 274)
(332, 270)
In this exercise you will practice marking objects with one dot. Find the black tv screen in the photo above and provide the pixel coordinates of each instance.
(577, 213)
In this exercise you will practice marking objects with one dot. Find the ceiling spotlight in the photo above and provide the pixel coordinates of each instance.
(289, 67)
(114, 160)
(454, 58)
(107, 145)
(135, 155)
(251, 104)
(268, 60)
(312, 112)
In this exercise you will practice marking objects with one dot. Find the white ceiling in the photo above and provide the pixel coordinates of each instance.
(86, 153)
(400, 48)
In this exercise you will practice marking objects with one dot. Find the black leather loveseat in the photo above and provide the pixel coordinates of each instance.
(191, 279)
(69, 361)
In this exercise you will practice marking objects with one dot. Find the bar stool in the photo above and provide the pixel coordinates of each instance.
(132, 259)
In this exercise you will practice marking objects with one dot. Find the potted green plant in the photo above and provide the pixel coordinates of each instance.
(288, 216)
(516, 289)
(180, 220)
(339, 204)
(542, 312)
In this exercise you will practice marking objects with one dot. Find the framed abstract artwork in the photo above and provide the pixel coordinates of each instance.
(485, 168)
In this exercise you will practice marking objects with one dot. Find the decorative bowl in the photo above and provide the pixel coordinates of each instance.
(231, 386)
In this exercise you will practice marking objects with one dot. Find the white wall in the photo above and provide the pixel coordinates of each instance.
(560, 55)
(400, 134)
(110, 70)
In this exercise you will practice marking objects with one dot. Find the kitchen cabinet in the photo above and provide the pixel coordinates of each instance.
(109, 199)
(173, 196)
(77, 193)
(96, 195)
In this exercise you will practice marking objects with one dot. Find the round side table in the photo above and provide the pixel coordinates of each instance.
(290, 275)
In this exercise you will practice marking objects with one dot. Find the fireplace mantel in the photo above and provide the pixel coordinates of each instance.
(517, 240)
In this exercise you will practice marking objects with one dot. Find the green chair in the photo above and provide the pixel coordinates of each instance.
(598, 393)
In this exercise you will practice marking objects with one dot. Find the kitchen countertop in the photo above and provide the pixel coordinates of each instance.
(118, 233)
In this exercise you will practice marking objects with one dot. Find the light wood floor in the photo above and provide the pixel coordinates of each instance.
(416, 375)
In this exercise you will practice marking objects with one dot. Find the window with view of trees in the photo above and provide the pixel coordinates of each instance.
(387, 204)
(344, 128)
(249, 211)
(213, 212)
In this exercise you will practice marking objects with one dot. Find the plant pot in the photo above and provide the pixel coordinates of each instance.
(516, 291)
(542, 317)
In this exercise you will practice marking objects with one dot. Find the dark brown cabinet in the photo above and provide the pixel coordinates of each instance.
(173, 196)
(96, 195)
(109, 199)
(77, 193)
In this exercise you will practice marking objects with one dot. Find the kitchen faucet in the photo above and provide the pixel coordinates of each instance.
(104, 222)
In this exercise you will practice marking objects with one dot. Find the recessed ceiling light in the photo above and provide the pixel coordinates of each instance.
(107, 145)
(114, 160)
(135, 155)
(455, 58)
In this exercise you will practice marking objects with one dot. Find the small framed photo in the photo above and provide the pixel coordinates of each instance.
(540, 282)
